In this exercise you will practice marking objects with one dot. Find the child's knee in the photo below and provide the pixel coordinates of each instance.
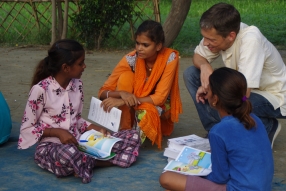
(164, 179)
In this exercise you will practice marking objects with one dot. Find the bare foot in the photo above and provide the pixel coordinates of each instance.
(75, 175)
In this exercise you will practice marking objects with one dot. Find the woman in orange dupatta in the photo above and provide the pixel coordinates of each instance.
(144, 85)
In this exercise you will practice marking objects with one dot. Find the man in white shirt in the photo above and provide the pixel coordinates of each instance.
(245, 49)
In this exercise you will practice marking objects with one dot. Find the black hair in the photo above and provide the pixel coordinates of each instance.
(152, 30)
(230, 86)
(62, 51)
(223, 17)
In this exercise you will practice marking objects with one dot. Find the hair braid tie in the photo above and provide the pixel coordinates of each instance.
(244, 98)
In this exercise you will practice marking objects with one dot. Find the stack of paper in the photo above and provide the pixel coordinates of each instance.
(175, 145)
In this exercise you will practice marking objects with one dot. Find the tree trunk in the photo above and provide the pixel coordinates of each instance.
(65, 24)
(54, 21)
(100, 38)
(175, 20)
(60, 19)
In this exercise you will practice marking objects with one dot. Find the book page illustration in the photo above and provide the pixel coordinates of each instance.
(94, 143)
(191, 161)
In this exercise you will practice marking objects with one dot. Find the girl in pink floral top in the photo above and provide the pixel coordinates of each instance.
(52, 117)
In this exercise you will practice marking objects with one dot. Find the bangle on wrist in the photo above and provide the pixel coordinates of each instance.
(107, 93)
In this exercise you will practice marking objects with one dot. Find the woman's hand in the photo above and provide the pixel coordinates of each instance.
(129, 98)
(201, 95)
(111, 102)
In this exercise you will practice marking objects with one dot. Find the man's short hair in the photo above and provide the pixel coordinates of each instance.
(223, 17)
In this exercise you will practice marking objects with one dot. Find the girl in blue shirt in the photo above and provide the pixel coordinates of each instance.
(241, 152)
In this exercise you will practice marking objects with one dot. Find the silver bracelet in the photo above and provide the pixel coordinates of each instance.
(107, 93)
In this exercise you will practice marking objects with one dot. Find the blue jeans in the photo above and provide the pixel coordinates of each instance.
(209, 116)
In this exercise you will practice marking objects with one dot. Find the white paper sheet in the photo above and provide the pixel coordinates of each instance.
(109, 120)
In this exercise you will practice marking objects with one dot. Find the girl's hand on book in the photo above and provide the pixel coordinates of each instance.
(99, 129)
(65, 136)
(104, 132)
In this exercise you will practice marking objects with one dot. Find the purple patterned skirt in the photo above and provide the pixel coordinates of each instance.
(66, 159)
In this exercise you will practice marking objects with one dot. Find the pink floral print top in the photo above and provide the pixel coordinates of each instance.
(51, 106)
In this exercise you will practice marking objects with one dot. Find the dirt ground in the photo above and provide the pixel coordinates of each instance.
(17, 65)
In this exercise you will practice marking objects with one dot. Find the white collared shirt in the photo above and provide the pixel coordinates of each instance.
(260, 62)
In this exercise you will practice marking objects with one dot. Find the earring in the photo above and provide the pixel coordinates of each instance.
(214, 104)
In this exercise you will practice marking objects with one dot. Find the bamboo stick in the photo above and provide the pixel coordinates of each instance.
(65, 24)
(53, 22)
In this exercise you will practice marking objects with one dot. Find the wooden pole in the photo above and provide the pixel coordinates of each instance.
(65, 24)
(35, 13)
(54, 21)
(59, 19)
(156, 11)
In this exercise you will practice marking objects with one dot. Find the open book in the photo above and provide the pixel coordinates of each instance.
(96, 145)
(109, 120)
(191, 161)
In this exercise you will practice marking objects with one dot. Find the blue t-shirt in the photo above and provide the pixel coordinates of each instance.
(242, 159)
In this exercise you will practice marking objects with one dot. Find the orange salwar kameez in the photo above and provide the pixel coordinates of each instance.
(130, 75)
